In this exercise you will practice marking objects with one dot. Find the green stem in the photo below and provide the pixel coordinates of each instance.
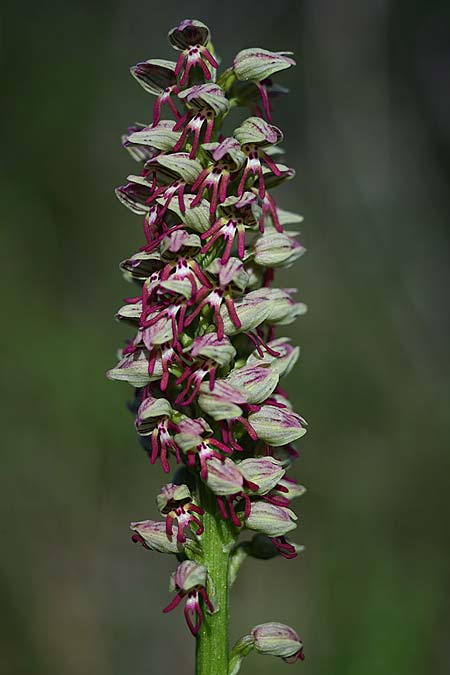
(217, 539)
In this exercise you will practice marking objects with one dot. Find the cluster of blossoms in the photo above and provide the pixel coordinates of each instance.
(205, 361)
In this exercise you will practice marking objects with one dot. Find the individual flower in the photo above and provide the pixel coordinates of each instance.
(283, 362)
(210, 352)
(277, 639)
(265, 472)
(254, 135)
(236, 214)
(277, 426)
(231, 488)
(276, 249)
(197, 443)
(264, 547)
(153, 535)
(158, 77)
(206, 102)
(226, 158)
(274, 521)
(257, 381)
(175, 502)
(189, 581)
(191, 37)
(180, 170)
(258, 65)
(154, 419)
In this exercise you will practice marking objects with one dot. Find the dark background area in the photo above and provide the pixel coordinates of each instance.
(367, 128)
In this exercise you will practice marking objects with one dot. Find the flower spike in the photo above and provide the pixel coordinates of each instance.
(206, 359)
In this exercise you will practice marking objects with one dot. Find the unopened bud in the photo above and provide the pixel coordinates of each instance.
(277, 639)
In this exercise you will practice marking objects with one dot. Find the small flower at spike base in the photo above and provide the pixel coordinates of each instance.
(277, 639)
(189, 580)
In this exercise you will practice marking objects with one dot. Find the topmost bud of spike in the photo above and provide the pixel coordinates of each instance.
(191, 38)
(189, 33)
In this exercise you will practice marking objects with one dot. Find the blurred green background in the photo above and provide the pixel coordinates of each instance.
(368, 129)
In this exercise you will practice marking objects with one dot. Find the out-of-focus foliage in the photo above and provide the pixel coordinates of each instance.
(367, 127)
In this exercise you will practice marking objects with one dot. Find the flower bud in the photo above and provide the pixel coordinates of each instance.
(155, 75)
(153, 534)
(259, 64)
(187, 576)
(251, 310)
(277, 639)
(265, 472)
(258, 131)
(291, 489)
(257, 381)
(222, 403)
(141, 265)
(162, 136)
(275, 521)
(134, 197)
(180, 164)
(224, 478)
(133, 368)
(283, 309)
(276, 249)
(277, 426)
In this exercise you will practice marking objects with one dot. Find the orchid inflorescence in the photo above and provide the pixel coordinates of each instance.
(205, 361)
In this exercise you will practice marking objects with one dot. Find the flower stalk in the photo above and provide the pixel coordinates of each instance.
(206, 360)
(212, 649)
